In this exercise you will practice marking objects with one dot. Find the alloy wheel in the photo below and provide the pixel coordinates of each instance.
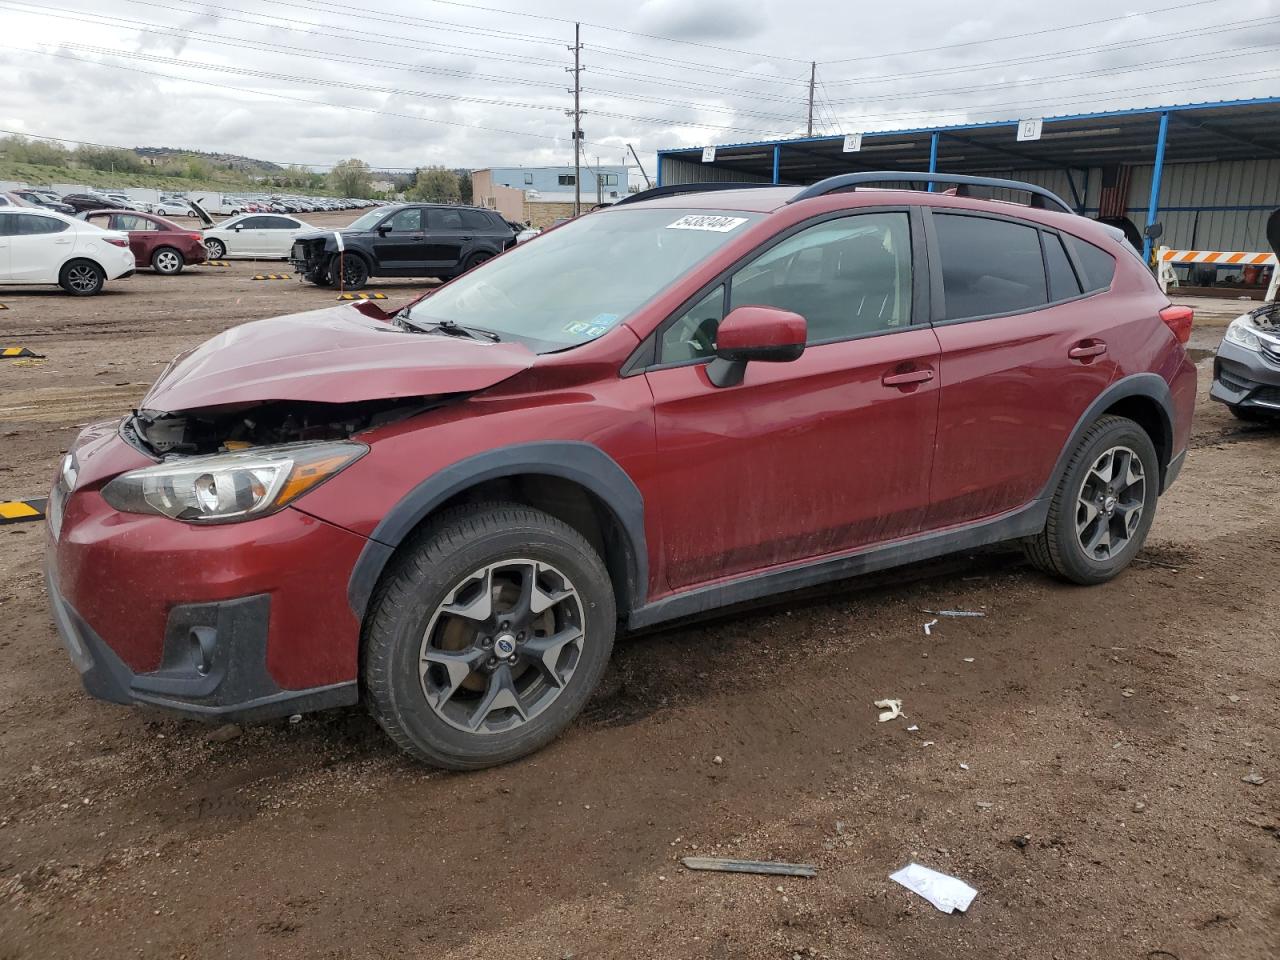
(1110, 503)
(167, 261)
(501, 646)
(82, 278)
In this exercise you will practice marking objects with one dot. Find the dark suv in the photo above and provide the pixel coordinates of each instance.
(448, 512)
(410, 240)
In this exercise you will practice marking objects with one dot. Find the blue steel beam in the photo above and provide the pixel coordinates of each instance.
(933, 155)
(1157, 172)
(777, 161)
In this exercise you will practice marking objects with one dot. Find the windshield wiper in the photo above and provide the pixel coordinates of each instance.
(448, 327)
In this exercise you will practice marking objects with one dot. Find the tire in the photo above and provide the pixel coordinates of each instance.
(478, 548)
(82, 278)
(1061, 549)
(167, 261)
(216, 249)
(1252, 414)
(476, 259)
(319, 277)
(355, 272)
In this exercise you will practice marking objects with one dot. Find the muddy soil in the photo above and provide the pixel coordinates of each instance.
(1078, 759)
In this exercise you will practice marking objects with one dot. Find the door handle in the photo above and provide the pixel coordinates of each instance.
(907, 378)
(62, 241)
(1087, 350)
(466, 239)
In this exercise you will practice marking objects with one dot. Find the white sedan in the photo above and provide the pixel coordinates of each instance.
(264, 235)
(43, 246)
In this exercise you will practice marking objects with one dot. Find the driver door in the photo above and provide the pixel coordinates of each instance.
(822, 455)
(399, 240)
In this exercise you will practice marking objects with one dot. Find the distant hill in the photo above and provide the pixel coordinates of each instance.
(231, 160)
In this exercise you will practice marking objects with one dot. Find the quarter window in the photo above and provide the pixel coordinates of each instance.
(989, 266)
(1063, 284)
(1098, 265)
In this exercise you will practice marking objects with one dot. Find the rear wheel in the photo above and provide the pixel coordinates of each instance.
(487, 637)
(82, 278)
(476, 259)
(215, 248)
(167, 261)
(1103, 506)
(350, 272)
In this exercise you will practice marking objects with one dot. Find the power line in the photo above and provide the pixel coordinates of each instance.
(1023, 36)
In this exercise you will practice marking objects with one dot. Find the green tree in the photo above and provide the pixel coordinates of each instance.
(39, 152)
(350, 178)
(465, 190)
(435, 185)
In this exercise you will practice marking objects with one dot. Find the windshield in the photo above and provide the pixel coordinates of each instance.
(367, 221)
(578, 281)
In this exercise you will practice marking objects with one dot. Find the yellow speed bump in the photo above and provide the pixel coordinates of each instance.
(272, 276)
(21, 511)
(217, 263)
(14, 353)
(3, 307)
(362, 296)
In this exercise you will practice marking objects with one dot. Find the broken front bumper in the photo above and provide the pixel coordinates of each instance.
(1246, 378)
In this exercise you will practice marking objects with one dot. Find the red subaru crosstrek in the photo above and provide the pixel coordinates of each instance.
(680, 402)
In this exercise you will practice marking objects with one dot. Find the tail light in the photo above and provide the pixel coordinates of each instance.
(1178, 319)
(196, 236)
(117, 241)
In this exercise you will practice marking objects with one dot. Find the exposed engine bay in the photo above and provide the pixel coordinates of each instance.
(197, 432)
(1266, 318)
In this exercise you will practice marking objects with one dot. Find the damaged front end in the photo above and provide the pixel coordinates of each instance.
(1246, 370)
(310, 255)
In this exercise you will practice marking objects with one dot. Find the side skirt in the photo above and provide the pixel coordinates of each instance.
(1022, 522)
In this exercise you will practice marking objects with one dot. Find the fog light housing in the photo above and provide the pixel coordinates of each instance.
(204, 640)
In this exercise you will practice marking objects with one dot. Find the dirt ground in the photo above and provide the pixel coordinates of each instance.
(1078, 759)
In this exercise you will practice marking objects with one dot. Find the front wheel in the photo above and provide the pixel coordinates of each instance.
(349, 271)
(319, 277)
(167, 261)
(82, 278)
(215, 248)
(487, 636)
(1103, 506)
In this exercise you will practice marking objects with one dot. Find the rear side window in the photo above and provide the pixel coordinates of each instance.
(1063, 284)
(1099, 266)
(29, 225)
(989, 266)
(476, 220)
(444, 219)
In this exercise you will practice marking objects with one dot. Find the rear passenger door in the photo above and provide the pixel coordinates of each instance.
(447, 238)
(1024, 353)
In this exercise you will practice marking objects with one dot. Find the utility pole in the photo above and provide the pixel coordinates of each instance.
(577, 117)
(813, 76)
(647, 182)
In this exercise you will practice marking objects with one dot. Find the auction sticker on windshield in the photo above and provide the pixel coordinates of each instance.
(697, 221)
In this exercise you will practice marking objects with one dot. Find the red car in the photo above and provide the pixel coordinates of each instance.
(165, 246)
(686, 400)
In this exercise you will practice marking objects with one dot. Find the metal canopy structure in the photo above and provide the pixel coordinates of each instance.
(1199, 132)
(1186, 133)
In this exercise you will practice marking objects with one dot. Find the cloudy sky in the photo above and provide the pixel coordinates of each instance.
(404, 83)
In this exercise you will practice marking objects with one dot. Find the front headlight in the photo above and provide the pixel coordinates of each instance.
(228, 487)
(1242, 333)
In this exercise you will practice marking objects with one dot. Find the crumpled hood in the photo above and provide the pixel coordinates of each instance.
(336, 355)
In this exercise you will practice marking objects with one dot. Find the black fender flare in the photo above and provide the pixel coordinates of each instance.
(1150, 386)
(581, 463)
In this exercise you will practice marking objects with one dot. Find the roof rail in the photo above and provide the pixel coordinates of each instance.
(849, 181)
(675, 189)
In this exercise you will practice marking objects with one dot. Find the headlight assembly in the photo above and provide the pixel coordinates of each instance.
(229, 487)
(1242, 333)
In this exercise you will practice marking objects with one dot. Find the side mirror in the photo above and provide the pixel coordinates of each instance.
(238, 227)
(1154, 231)
(384, 229)
(764, 334)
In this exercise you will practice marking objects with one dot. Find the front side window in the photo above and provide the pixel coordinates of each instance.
(405, 221)
(847, 277)
(989, 266)
(561, 291)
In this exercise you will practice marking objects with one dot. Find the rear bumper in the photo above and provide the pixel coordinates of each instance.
(214, 664)
(1245, 378)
